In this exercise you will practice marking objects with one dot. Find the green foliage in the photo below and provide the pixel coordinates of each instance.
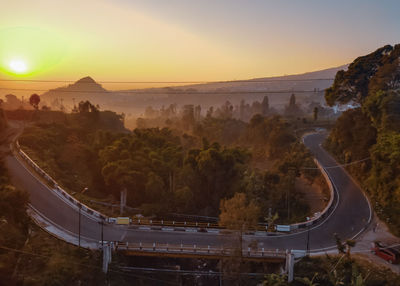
(293, 109)
(271, 134)
(372, 130)
(225, 131)
(163, 170)
(34, 100)
(48, 261)
(239, 214)
(145, 163)
(213, 173)
(307, 281)
(334, 271)
(383, 108)
(13, 224)
(275, 280)
(351, 138)
(352, 85)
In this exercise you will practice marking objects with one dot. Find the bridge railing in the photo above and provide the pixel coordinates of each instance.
(56, 188)
(144, 221)
(197, 249)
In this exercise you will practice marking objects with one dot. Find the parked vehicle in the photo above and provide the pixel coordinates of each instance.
(391, 255)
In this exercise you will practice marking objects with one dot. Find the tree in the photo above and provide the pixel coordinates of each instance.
(240, 215)
(315, 113)
(86, 107)
(275, 280)
(344, 248)
(292, 101)
(307, 281)
(12, 101)
(188, 116)
(270, 219)
(265, 106)
(293, 108)
(34, 100)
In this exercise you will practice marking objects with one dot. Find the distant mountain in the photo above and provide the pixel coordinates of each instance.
(84, 89)
(319, 79)
(278, 89)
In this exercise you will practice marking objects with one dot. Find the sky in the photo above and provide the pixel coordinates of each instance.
(187, 40)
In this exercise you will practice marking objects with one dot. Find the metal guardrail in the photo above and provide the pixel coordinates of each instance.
(329, 207)
(57, 189)
(197, 249)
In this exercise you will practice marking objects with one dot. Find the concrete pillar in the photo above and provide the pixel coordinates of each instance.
(106, 257)
(290, 266)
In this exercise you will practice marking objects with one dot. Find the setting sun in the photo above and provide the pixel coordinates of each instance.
(18, 66)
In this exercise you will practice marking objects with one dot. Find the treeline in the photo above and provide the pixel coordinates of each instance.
(372, 130)
(188, 115)
(167, 170)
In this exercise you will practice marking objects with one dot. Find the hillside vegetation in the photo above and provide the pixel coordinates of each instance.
(372, 130)
(187, 168)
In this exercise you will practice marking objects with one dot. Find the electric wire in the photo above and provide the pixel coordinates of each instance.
(179, 82)
(146, 91)
(339, 165)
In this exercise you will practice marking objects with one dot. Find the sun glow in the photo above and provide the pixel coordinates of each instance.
(18, 66)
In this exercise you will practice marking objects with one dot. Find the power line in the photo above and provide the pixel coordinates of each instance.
(339, 165)
(163, 93)
(183, 82)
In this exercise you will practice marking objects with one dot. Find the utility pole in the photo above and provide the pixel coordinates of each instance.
(106, 257)
(308, 243)
(287, 203)
(290, 266)
(102, 236)
(123, 201)
(79, 226)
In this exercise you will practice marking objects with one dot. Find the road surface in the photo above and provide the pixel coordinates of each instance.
(348, 220)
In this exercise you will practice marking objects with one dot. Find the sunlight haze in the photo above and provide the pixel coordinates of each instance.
(187, 40)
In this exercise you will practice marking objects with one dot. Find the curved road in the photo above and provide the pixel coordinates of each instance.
(348, 219)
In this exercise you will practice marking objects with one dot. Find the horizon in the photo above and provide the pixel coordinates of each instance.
(187, 41)
(43, 86)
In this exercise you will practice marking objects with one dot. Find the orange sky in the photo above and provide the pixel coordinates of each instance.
(185, 40)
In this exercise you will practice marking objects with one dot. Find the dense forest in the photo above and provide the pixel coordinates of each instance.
(29, 256)
(186, 167)
(371, 131)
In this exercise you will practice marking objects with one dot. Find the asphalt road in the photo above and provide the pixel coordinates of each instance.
(349, 218)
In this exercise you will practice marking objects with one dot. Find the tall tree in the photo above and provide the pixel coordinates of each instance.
(34, 100)
(315, 113)
(239, 214)
(265, 106)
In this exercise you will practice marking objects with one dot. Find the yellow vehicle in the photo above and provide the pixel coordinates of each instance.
(123, 220)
